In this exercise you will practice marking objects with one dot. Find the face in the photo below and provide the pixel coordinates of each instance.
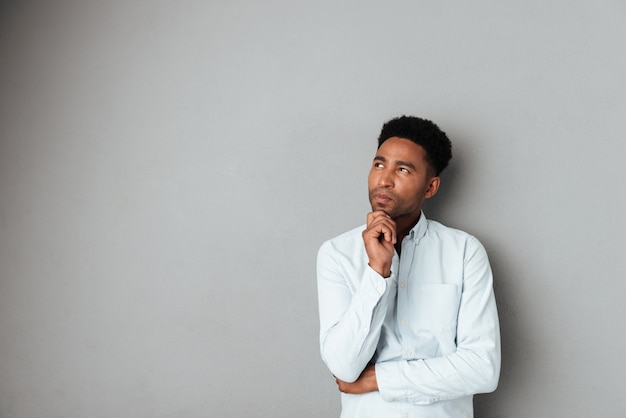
(400, 179)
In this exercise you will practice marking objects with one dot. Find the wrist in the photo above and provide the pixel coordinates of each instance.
(384, 270)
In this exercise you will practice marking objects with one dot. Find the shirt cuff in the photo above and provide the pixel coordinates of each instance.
(386, 374)
(379, 283)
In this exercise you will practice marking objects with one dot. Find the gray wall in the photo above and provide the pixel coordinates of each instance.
(169, 169)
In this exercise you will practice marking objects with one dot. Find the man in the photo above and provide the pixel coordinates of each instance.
(409, 326)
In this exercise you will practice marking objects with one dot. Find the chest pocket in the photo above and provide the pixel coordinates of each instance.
(434, 307)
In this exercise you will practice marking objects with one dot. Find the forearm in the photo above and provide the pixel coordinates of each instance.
(465, 372)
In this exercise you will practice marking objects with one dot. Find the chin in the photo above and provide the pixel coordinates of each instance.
(386, 210)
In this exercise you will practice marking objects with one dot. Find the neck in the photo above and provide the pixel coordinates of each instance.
(403, 226)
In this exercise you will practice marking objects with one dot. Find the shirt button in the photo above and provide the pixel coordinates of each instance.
(409, 353)
(403, 321)
(402, 284)
(405, 415)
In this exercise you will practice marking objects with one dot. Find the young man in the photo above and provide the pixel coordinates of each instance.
(409, 326)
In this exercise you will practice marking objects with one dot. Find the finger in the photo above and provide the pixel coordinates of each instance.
(373, 216)
(385, 227)
(380, 233)
(385, 231)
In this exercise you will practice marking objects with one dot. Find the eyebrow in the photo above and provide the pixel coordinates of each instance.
(398, 162)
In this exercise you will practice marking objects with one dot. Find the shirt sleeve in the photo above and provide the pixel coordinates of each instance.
(352, 311)
(474, 367)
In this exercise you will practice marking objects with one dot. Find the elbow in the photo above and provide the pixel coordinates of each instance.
(485, 366)
(343, 372)
(483, 370)
(347, 376)
(490, 384)
(342, 369)
(491, 376)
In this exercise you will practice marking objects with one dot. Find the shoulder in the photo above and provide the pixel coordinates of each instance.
(346, 243)
(437, 228)
(439, 232)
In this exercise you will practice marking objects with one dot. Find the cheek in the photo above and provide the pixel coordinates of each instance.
(416, 193)
(370, 180)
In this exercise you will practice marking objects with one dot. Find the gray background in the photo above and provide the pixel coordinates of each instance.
(168, 171)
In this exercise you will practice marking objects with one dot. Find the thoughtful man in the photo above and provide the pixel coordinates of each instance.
(409, 326)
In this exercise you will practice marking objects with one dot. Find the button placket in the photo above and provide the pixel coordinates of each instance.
(408, 251)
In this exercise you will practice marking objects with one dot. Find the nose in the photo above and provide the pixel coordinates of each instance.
(385, 178)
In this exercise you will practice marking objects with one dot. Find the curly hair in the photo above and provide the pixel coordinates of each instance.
(423, 132)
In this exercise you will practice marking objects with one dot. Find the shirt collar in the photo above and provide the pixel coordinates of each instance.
(417, 232)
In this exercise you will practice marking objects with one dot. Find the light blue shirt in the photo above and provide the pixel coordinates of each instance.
(431, 328)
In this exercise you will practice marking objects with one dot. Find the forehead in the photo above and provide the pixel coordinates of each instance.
(400, 149)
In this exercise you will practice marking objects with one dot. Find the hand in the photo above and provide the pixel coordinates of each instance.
(365, 383)
(379, 238)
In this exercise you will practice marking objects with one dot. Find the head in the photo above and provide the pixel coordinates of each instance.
(425, 134)
(411, 154)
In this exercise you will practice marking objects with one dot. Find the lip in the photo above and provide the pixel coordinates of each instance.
(381, 198)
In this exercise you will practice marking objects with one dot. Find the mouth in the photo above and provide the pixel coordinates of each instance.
(381, 199)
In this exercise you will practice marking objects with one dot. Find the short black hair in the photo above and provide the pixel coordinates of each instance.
(423, 132)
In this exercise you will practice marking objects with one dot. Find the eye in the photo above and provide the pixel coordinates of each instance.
(378, 165)
(403, 170)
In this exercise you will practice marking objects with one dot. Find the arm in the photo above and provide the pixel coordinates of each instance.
(365, 383)
(354, 298)
(475, 365)
(352, 311)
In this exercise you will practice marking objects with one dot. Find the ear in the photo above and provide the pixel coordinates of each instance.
(433, 186)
